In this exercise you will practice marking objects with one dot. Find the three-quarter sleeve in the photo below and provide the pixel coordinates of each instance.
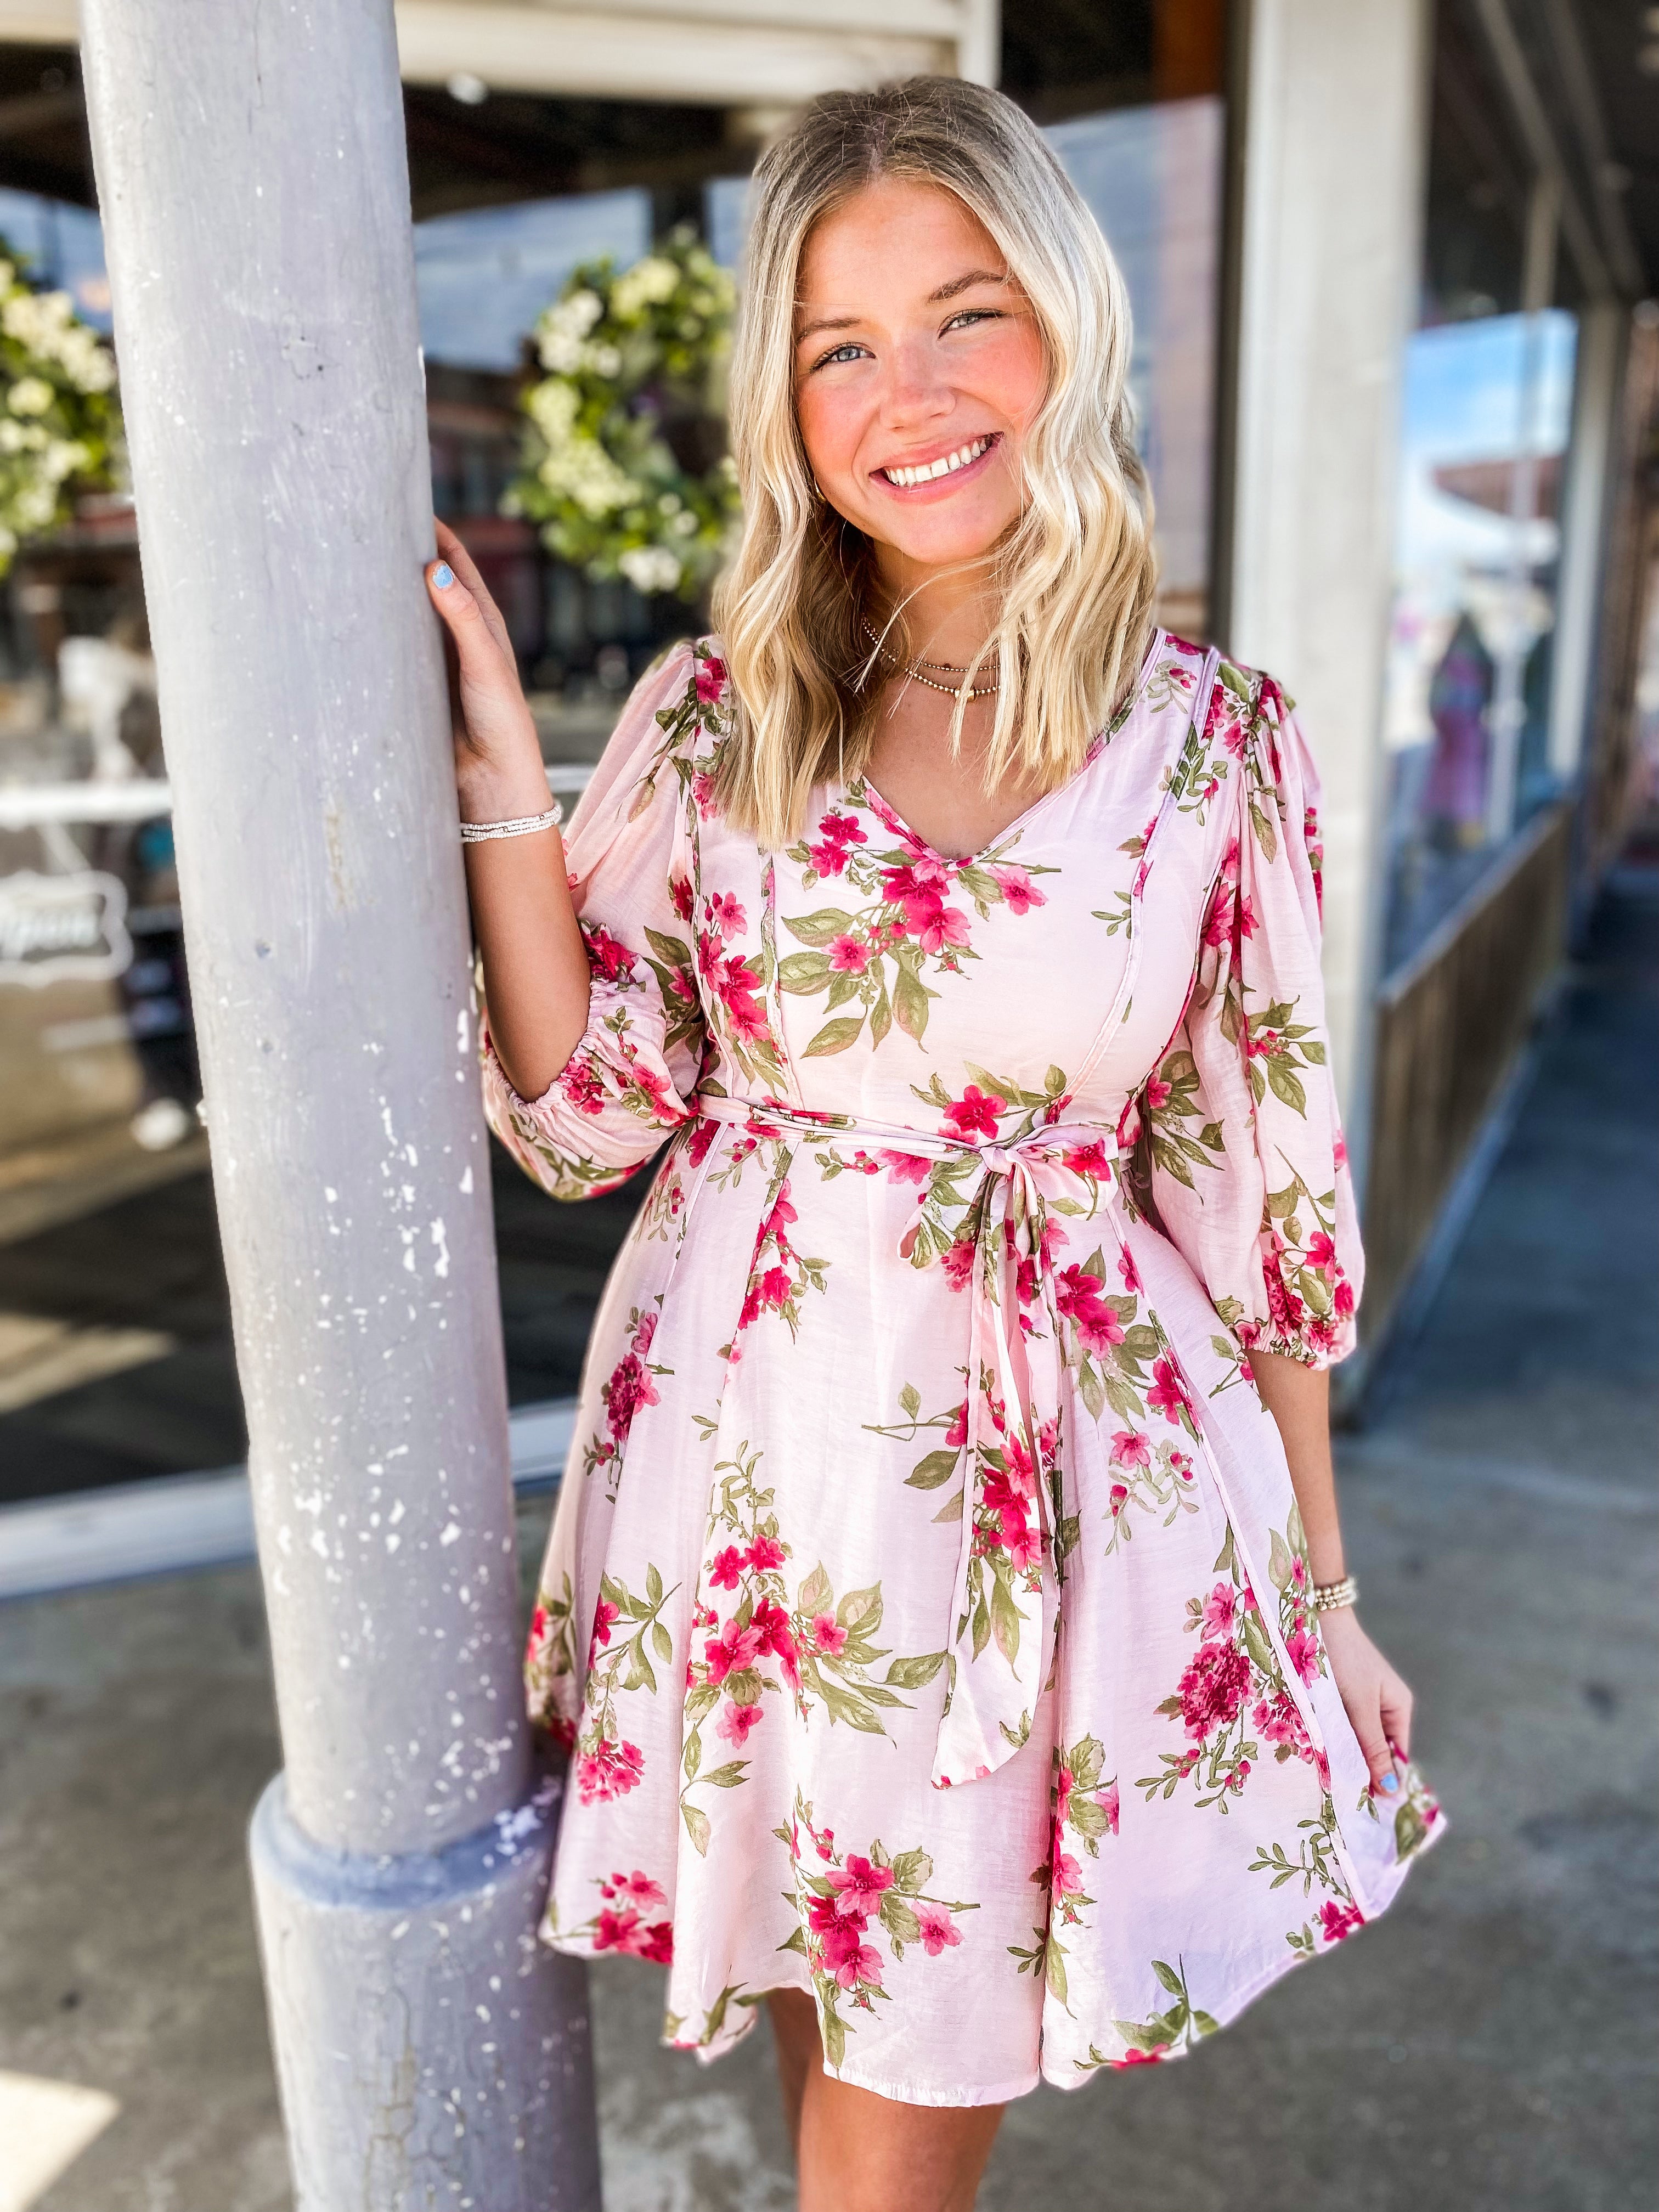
(625, 1086)
(1249, 1172)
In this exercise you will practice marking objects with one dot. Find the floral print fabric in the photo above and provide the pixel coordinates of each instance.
(927, 1609)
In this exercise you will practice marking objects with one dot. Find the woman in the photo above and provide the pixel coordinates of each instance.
(946, 1606)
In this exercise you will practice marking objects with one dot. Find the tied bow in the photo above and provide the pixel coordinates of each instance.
(1012, 1418)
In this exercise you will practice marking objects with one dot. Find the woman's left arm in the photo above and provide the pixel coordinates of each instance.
(1378, 1703)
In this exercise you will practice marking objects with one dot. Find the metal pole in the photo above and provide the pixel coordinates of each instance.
(251, 171)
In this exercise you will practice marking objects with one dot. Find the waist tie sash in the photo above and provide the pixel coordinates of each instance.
(1011, 1423)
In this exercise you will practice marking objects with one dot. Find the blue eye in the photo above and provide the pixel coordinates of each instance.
(848, 352)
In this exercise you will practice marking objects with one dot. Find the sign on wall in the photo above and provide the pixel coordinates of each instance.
(61, 928)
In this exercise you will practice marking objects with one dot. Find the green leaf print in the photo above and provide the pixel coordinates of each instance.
(833, 1036)
(820, 928)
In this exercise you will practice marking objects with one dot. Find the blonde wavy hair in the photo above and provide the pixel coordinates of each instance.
(1076, 575)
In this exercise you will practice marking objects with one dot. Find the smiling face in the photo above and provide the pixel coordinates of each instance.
(919, 369)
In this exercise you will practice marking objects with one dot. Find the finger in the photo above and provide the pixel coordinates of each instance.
(475, 646)
(1374, 1743)
(464, 565)
(1397, 1719)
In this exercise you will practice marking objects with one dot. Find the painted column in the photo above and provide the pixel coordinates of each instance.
(1335, 156)
(251, 172)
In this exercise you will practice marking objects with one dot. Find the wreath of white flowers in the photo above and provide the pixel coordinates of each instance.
(636, 363)
(59, 418)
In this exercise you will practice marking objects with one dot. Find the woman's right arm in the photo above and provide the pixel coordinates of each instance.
(593, 1034)
(535, 965)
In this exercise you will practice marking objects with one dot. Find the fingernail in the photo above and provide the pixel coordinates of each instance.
(1388, 1781)
(443, 576)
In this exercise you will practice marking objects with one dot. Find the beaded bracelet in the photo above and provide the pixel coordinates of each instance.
(522, 825)
(1331, 1598)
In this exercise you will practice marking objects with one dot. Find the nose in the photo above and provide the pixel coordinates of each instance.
(916, 388)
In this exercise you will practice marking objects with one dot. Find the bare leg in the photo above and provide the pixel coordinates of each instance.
(856, 2152)
(795, 2033)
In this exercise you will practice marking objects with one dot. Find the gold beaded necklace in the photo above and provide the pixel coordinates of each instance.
(914, 669)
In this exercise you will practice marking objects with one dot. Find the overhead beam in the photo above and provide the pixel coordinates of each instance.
(1534, 125)
(728, 53)
(1578, 83)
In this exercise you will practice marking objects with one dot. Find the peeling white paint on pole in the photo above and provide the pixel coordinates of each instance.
(254, 190)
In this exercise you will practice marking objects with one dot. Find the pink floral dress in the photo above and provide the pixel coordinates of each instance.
(927, 1607)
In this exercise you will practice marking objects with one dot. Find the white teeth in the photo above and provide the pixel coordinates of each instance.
(944, 467)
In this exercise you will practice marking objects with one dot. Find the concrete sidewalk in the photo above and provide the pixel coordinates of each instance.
(1489, 2048)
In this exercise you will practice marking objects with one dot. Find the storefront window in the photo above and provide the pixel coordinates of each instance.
(1487, 414)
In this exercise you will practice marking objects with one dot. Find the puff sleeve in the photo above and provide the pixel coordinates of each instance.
(1248, 1172)
(625, 1087)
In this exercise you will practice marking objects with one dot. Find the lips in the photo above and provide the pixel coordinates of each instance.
(924, 472)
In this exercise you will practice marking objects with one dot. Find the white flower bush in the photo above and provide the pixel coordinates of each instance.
(634, 365)
(58, 421)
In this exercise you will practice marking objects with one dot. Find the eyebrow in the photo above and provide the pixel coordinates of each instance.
(957, 284)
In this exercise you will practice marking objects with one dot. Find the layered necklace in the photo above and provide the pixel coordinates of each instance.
(916, 669)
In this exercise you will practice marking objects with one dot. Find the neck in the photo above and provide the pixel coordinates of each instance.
(948, 614)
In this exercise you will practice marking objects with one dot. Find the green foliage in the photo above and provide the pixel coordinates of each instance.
(620, 467)
(59, 422)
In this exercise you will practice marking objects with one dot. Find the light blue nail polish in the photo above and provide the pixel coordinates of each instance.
(1390, 1782)
(443, 575)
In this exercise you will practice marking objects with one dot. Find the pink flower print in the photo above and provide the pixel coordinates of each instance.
(1183, 1464)
(771, 1624)
(1090, 1159)
(732, 1652)
(850, 1961)
(608, 1770)
(957, 1435)
(1130, 1449)
(828, 1634)
(939, 1930)
(605, 1618)
(1302, 1648)
(1247, 921)
(1158, 1093)
(1220, 1608)
(859, 1886)
(726, 914)
(610, 961)
(958, 1263)
(1321, 1252)
(939, 927)
(1118, 1500)
(1277, 1720)
(1018, 891)
(849, 956)
(905, 1167)
(1168, 1394)
(1213, 1689)
(616, 1931)
(1067, 1877)
(765, 1552)
(837, 832)
(725, 1568)
(1218, 922)
(775, 1287)
(679, 894)
(1338, 1918)
(580, 1085)
(1024, 1547)
(711, 679)
(1077, 1294)
(637, 1889)
(1135, 2057)
(629, 1387)
(702, 793)
(735, 1723)
(1107, 1800)
(736, 983)
(1128, 1270)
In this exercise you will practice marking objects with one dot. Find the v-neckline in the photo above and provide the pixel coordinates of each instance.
(1097, 746)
